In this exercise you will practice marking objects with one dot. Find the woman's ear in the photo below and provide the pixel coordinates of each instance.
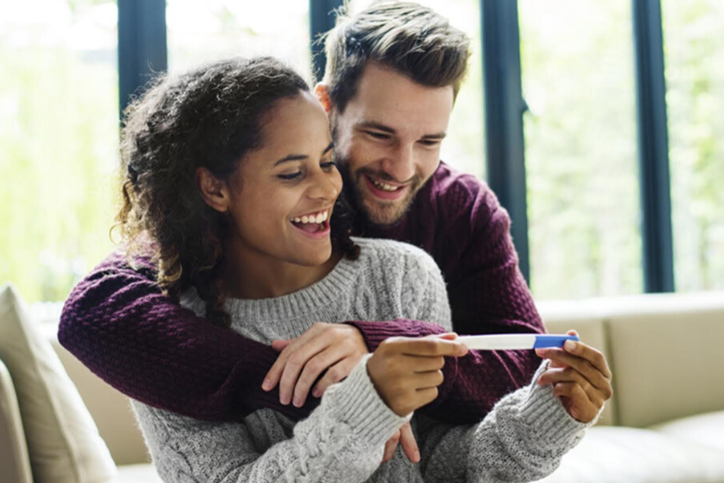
(322, 93)
(213, 190)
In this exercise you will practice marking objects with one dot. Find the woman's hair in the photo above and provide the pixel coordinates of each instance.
(210, 117)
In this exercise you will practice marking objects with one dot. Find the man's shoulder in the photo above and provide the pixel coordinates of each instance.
(455, 195)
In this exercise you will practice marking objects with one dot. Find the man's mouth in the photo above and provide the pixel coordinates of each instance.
(384, 190)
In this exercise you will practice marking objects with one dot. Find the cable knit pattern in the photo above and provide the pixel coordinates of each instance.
(117, 322)
(343, 439)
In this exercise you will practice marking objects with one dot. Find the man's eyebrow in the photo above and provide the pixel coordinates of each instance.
(302, 157)
(387, 129)
(375, 125)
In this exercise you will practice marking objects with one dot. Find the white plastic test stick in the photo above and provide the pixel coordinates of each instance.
(514, 341)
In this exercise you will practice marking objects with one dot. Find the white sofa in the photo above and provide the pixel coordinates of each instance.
(664, 424)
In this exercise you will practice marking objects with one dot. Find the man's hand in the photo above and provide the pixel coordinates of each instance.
(334, 348)
(407, 372)
(580, 376)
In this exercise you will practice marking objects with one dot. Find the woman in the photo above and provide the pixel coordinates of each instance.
(230, 172)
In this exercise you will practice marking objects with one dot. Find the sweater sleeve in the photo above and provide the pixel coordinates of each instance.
(522, 439)
(342, 440)
(117, 322)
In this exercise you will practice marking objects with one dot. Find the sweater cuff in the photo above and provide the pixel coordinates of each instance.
(356, 402)
(375, 333)
(549, 422)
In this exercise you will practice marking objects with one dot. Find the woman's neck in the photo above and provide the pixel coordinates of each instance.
(257, 276)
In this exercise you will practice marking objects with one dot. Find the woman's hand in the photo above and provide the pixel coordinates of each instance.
(580, 376)
(407, 371)
(330, 348)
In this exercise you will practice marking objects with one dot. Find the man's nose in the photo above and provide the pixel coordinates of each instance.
(400, 164)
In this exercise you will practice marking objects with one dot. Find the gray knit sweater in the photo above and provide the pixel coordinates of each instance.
(522, 439)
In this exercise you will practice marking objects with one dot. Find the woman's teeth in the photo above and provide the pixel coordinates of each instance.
(384, 186)
(314, 218)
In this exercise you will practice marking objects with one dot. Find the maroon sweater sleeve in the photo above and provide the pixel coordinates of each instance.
(119, 324)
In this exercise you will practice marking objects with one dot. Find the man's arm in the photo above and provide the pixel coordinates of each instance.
(119, 324)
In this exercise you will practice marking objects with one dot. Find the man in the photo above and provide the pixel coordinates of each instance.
(393, 72)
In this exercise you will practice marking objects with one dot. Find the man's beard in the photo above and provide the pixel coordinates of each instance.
(380, 213)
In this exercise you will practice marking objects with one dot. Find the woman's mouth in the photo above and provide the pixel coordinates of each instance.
(315, 225)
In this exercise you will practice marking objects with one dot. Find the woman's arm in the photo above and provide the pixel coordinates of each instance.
(522, 439)
(342, 440)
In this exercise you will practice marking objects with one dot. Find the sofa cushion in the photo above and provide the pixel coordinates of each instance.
(13, 449)
(63, 442)
(703, 429)
(619, 454)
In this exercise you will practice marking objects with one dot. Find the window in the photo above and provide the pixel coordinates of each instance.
(693, 35)
(580, 148)
(201, 32)
(58, 142)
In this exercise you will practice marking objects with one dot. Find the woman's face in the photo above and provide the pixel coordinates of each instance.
(282, 195)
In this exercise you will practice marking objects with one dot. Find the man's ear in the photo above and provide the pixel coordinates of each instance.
(322, 92)
(213, 190)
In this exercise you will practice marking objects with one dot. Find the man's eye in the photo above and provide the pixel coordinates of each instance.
(378, 135)
(430, 143)
(290, 176)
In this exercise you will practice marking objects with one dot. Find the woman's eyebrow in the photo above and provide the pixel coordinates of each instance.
(302, 157)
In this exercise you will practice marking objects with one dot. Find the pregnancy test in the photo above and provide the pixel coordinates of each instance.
(514, 341)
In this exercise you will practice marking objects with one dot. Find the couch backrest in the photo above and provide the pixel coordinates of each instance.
(665, 351)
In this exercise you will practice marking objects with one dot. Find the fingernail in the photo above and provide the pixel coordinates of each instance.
(297, 401)
(540, 352)
(266, 385)
(569, 345)
(316, 393)
(284, 400)
(416, 456)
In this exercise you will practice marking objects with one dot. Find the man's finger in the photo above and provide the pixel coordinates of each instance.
(281, 344)
(335, 374)
(313, 369)
(295, 364)
(409, 444)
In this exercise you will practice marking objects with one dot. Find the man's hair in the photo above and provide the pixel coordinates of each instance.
(404, 36)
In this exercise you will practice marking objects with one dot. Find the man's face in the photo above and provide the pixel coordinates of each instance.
(388, 140)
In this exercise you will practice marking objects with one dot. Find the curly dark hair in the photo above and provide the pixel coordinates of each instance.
(210, 117)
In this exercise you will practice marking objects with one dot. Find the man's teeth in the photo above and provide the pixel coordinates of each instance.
(318, 218)
(384, 186)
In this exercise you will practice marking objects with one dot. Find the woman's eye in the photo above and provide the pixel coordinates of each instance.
(328, 165)
(290, 176)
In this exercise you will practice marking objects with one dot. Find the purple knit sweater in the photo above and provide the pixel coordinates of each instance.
(117, 322)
